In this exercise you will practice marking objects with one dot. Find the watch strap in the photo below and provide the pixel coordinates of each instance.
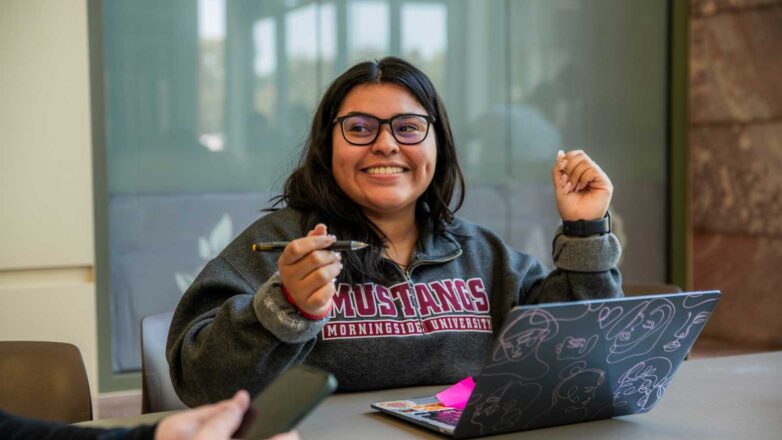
(587, 228)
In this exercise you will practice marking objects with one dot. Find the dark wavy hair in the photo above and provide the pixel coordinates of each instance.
(311, 187)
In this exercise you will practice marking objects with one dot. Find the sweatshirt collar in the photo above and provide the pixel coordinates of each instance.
(435, 247)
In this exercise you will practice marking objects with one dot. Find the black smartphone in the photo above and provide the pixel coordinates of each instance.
(285, 402)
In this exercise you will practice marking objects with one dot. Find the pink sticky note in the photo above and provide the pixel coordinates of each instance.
(457, 395)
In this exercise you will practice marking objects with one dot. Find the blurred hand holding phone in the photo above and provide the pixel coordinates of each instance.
(285, 402)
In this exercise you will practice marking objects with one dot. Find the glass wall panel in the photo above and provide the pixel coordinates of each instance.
(424, 35)
(368, 29)
(208, 103)
(590, 75)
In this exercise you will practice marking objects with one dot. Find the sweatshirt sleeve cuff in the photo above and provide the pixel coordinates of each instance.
(280, 317)
(598, 253)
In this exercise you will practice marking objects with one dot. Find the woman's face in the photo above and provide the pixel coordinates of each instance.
(384, 178)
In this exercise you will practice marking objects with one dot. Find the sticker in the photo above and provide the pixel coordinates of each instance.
(432, 407)
(396, 404)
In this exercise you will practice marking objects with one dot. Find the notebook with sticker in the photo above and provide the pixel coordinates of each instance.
(561, 363)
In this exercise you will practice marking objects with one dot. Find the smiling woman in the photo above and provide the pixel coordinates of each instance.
(386, 177)
(420, 304)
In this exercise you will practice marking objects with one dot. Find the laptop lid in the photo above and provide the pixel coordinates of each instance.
(561, 363)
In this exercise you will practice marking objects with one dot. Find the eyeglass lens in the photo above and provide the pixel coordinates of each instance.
(363, 129)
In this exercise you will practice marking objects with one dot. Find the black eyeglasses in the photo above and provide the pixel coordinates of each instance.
(363, 129)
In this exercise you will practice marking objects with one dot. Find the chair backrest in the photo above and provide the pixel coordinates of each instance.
(44, 380)
(638, 289)
(157, 391)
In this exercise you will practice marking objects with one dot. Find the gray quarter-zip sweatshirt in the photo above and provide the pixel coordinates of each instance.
(431, 324)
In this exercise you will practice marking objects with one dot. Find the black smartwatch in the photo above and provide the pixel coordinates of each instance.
(587, 228)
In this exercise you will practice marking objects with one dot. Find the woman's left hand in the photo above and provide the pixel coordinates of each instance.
(582, 189)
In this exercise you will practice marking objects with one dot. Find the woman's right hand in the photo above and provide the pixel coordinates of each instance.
(308, 269)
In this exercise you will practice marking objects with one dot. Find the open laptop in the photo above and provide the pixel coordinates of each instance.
(560, 363)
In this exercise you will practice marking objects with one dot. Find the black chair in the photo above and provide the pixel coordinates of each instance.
(44, 380)
(157, 391)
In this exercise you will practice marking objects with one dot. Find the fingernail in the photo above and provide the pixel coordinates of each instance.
(568, 187)
(339, 255)
(563, 164)
(560, 153)
(562, 180)
(332, 237)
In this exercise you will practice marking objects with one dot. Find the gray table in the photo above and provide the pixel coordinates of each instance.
(737, 397)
